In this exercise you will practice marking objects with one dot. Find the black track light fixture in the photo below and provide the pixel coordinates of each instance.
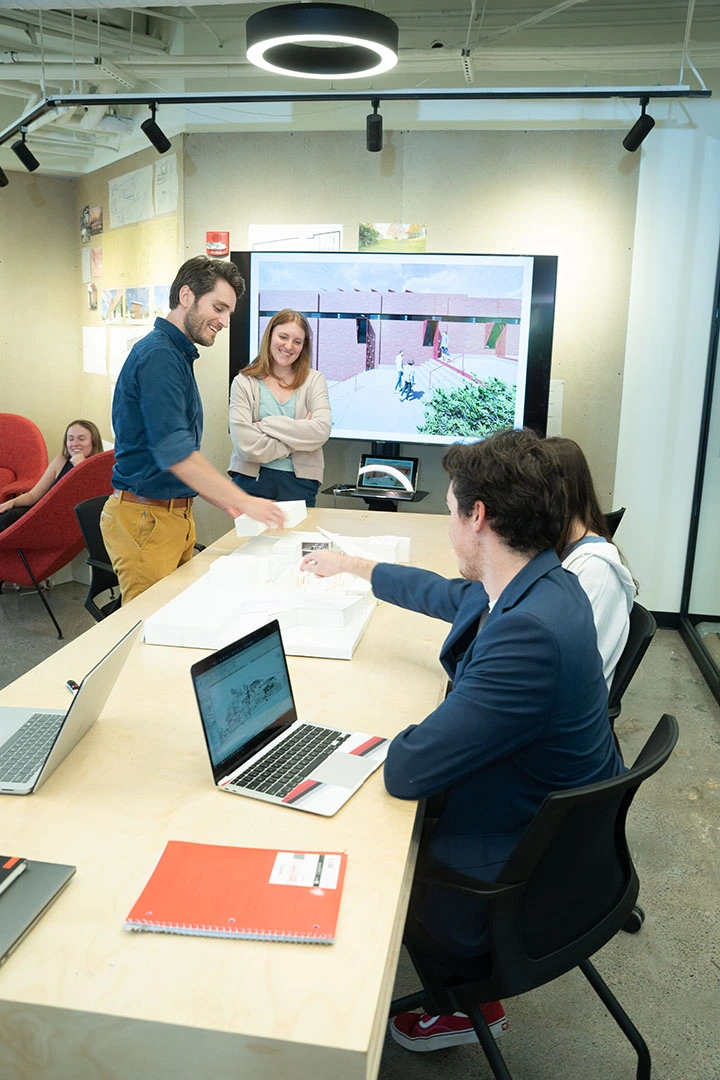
(155, 133)
(640, 129)
(374, 128)
(3, 179)
(24, 153)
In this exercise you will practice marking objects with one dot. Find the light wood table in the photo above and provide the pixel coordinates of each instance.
(82, 999)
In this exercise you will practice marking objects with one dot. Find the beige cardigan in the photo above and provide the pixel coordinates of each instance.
(255, 442)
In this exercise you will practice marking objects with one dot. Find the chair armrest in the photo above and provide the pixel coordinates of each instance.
(430, 872)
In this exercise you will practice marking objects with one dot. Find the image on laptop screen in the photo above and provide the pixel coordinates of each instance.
(386, 476)
(245, 691)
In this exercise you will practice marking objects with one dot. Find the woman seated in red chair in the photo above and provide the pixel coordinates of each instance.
(81, 440)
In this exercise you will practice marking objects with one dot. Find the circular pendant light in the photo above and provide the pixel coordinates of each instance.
(322, 41)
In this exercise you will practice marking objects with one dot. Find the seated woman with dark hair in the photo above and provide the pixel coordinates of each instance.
(586, 549)
(80, 441)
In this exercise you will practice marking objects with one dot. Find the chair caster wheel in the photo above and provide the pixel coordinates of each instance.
(634, 922)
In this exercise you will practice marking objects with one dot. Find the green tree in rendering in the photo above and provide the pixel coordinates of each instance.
(367, 235)
(470, 411)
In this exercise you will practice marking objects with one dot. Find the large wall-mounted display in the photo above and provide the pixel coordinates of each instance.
(416, 348)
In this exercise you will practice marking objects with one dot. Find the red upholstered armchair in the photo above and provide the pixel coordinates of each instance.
(48, 537)
(23, 455)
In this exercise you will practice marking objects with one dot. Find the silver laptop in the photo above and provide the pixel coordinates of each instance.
(27, 900)
(33, 742)
(256, 743)
(387, 477)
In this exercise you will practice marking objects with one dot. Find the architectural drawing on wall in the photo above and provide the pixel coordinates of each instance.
(84, 224)
(166, 184)
(112, 305)
(85, 269)
(122, 339)
(96, 220)
(96, 262)
(295, 237)
(131, 197)
(391, 236)
(94, 350)
(137, 304)
(161, 300)
(92, 296)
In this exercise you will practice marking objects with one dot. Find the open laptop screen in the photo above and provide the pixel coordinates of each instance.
(383, 477)
(244, 695)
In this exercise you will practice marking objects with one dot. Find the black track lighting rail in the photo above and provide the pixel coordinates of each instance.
(69, 101)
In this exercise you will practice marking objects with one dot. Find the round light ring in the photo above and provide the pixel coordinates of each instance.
(322, 41)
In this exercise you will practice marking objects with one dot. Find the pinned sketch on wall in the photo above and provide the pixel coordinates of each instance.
(112, 305)
(137, 305)
(166, 185)
(295, 237)
(94, 350)
(96, 220)
(92, 296)
(161, 300)
(122, 339)
(96, 262)
(131, 197)
(391, 236)
(85, 225)
(85, 264)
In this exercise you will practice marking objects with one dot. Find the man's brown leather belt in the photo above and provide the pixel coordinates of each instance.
(169, 504)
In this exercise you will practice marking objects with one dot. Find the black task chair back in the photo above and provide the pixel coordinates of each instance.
(102, 575)
(642, 631)
(579, 884)
(613, 519)
(566, 890)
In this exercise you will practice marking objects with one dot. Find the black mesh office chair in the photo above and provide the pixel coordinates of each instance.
(102, 575)
(565, 891)
(642, 631)
(613, 519)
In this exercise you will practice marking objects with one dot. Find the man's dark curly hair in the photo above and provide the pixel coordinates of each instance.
(201, 275)
(514, 474)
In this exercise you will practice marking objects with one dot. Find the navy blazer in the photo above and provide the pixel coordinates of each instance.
(527, 713)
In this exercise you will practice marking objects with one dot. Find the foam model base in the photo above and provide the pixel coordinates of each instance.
(261, 581)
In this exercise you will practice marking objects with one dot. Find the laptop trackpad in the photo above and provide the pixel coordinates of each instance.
(345, 770)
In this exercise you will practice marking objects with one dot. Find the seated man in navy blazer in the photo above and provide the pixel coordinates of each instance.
(527, 712)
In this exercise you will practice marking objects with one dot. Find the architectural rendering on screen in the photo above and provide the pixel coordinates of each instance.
(415, 348)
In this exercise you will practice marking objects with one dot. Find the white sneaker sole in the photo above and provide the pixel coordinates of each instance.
(428, 1043)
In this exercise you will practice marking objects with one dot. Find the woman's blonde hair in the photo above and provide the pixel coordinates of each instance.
(94, 435)
(262, 364)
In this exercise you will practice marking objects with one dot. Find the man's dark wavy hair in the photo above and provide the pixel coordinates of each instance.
(514, 474)
(201, 274)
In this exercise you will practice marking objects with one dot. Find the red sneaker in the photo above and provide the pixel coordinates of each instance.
(420, 1032)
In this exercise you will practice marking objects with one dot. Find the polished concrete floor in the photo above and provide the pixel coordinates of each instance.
(667, 977)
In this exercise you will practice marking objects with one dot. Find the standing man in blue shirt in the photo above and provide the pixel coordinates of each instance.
(527, 710)
(147, 523)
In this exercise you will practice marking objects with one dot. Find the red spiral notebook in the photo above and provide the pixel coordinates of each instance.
(257, 893)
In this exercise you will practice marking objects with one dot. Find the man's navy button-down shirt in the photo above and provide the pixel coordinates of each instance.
(157, 414)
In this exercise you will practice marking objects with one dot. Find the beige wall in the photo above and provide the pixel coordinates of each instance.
(567, 193)
(147, 266)
(40, 365)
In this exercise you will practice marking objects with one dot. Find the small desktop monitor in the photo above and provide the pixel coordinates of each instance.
(416, 348)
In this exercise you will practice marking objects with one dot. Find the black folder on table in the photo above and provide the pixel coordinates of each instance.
(27, 900)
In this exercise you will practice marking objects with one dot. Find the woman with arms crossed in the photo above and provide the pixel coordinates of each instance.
(586, 549)
(280, 416)
(80, 441)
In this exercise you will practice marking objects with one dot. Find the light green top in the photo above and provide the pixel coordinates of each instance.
(270, 406)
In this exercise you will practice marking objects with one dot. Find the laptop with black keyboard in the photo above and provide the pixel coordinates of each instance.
(33, 742)
(256, 743)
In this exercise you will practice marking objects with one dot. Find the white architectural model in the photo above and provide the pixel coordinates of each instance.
(262, 581)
